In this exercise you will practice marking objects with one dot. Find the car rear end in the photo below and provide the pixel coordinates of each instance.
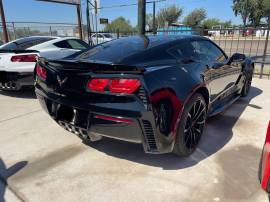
(95, 100)
(264, 172)
(17, 62)
(16, 68)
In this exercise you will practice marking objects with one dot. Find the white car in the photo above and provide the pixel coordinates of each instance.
(18, 58)
(101, 38)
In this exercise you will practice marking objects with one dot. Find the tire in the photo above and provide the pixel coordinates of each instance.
(247, 84)
(191, 126)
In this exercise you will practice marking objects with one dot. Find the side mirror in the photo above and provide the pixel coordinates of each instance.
(237, 57)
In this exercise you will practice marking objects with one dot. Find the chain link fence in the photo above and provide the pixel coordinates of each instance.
(23, 29)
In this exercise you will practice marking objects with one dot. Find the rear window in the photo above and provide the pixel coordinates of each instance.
(25, 43)
(114, 50)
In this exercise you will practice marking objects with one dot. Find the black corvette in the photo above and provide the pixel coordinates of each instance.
(156, 90)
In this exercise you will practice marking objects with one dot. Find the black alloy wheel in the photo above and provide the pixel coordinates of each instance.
(247, 84)
(165, 114)
(191, 126)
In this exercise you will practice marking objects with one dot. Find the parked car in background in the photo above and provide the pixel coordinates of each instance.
(153, 90)
(18, 58)
(264, 170)
(216, 31)
(101, 38)
(249, 31)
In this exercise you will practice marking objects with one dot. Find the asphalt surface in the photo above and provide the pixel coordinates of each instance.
(42, 162)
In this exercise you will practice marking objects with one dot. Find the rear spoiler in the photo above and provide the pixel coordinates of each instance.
(104, 68)
(18, 51)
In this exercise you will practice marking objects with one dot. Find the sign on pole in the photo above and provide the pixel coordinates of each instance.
(103, 21)
(73, 2)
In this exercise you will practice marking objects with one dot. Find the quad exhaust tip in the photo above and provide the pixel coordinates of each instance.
(74, 129)
(8, 86)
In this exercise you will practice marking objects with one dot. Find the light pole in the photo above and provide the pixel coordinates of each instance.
(3, 22)
(141, 16)
(79, 14)
(154, 17)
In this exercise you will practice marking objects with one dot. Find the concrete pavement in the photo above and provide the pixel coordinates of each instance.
(42, 162)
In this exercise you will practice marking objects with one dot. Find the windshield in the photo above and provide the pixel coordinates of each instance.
(107, 35)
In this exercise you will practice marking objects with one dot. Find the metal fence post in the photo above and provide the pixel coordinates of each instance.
(51, 30)
(265, 48)
(117, 32)
(14, 31)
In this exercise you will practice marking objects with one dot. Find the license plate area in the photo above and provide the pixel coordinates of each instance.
(3, 77)
(73, 116)
(70, 115)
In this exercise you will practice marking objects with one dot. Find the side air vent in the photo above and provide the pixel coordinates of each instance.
(142, 95)
(149, 135)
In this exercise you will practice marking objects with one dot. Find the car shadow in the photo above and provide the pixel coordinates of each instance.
(24, 93)
(5, 173)
(217, 134)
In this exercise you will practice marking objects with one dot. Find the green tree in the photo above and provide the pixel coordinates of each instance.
(195, 17)
(121, 24)
(260, 10)
(257, 13)
(169, 15)
(244, 8)
(266, 9)
(211, 22)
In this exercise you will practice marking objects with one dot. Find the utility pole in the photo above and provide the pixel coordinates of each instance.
(3, 22)
(265, 47)
(154, 17)
(79, 14)
(141, 16)
(88, 23)
(96, 12)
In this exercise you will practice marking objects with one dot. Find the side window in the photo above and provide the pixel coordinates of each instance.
(100, 36)
(77, 44)
(208, 51)
(184, 51)
(62, 44)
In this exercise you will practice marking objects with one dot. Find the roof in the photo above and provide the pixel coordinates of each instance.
(131, 49)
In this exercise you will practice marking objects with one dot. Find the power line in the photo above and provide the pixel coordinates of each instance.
(127, 5)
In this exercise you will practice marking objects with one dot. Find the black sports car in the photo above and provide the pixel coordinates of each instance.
(155, 90)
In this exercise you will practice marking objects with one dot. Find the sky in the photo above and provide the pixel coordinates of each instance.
(37, 11)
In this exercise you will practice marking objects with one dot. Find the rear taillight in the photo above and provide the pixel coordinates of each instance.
(41, 72)
(265, 172)
(128, 86)
(124, 85)
(98, 84)
(24, 58)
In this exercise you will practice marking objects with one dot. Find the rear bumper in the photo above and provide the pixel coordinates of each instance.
(15, 80)
(131, 122)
